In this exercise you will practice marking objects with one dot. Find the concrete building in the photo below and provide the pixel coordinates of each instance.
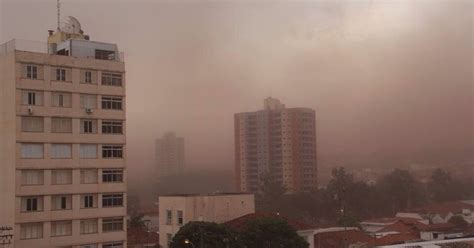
(276, 141)
(170, 155)
(62, 141)
(177, 210)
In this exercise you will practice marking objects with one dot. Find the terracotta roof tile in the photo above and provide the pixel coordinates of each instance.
(337, 239)
(445, 208)
(393, 239)
(238, 224)
(139, 235)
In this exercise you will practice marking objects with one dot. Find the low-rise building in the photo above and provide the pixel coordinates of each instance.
(177, 210)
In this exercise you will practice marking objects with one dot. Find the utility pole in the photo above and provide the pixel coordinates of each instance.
(147, 223)
(202, 237)
(343, 216)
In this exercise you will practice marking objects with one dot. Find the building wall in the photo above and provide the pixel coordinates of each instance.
(277, 141)
(14, 83)
(7, 139)
(212, 208)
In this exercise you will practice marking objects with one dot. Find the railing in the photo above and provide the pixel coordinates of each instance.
(32, 46)
(23, 45)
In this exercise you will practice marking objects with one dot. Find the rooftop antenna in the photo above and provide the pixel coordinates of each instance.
(58, 6)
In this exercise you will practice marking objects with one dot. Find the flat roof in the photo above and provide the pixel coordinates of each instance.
(208, 194)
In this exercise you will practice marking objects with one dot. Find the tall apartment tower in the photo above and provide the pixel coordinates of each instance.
(279, 142)
(62, 141)
(170, 155)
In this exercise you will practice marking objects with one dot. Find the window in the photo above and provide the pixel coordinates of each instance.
(112, 102)
(32, 72)
(112, 224)
(61, 202)
(89, 226)
(32, 204)
(88, 101)
(31, 230)
(88, 126)
(61, 228)
(112, 127)
(61, 99)
(60, 74)
(61, 125)
(88, 151)
(112, 151)
(89, 176)
(104, 54)
(32, 177)
(112, 200)
(169, 217)
(89, 246)
(29, 97)
(61, 177)
(113, 245)
(180, 217)
(112, 175)
(61, 151)
(89, 201)
(169, 238)
(112, 79)
(87, 77)
(31, 150)
(32, 124)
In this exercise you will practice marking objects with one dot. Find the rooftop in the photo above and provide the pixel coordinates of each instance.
(42, 47)
(239, 223)
(209, 194)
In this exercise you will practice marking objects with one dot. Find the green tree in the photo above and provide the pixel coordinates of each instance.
(348, 220)
(204, 235)
(136, 221)
(400, 190)
(442, 187)
(271, 196)
(271, 188)
(269, 232)
(458, 221)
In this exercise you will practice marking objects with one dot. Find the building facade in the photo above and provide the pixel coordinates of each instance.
(278, 142)
(62, 142)
(170, 155)
(177, 210)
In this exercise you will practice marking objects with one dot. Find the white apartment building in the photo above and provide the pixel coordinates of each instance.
(62, 141)
(177, 210)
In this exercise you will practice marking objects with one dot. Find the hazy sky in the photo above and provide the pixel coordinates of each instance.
(385, 77)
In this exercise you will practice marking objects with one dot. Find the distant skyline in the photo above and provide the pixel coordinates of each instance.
(385, 77)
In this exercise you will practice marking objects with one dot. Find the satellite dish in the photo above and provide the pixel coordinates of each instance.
(71, 25)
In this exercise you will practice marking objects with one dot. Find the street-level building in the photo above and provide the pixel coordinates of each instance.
(177, 210)
(278, 142)
(62, 141)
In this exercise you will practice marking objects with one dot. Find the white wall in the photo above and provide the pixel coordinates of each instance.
(211, 208)
(7, 139)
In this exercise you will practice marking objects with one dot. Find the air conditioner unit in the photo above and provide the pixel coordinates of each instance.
(89, 111)
(30, 110)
